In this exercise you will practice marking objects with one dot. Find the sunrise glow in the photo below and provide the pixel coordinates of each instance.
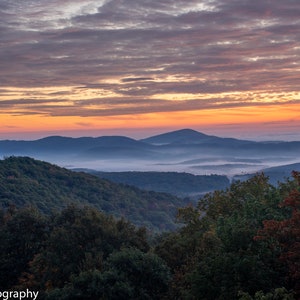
(104, 67)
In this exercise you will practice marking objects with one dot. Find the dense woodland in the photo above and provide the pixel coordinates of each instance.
(239, 243)
(178, 184)
(26, 181)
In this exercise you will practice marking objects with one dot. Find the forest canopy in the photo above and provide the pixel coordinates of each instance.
(28, 182)
(240, 243)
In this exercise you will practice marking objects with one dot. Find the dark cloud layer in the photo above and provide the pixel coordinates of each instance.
(138, 49)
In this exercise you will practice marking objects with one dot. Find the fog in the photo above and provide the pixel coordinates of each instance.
(185, 150)
(208, 166)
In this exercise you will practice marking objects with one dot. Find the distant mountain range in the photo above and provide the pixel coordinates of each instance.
(188, 136)
(183, 150)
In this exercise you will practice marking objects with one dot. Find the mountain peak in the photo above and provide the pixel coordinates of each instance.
(178, 136)
(186, 131)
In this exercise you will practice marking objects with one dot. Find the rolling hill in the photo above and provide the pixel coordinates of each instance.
(25, 181)
(178, 184)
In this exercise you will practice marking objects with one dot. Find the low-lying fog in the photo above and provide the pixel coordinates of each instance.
(179, 151)
(201, 166)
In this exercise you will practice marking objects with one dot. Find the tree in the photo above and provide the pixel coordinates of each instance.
(285, 234)
(277, 294)
(218, 256)
(127, 274)
(81, 239)
(22, 234)
(135, 273)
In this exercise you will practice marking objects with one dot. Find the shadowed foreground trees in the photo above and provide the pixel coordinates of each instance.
(285, 234)
(127, 274)
(217, 255)
(241, 243)
(76, 253)
(22, 234)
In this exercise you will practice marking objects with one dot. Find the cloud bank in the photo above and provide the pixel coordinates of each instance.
(112, 57)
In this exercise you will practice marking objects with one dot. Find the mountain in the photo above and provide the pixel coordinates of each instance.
(54, 144)
(184, 151)
(178, 136)
(118, 147)
(275, 174)
(66, 150)
(25, 181)
(187, 136)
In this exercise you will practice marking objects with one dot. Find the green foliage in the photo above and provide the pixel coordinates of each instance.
(145, 275)
(126, 274)
(277, 294)
(25, 181)
(285, 235)
(78, 253)
(240, 243)
(22, 234)
(179, 184)
(80, 240)
(214, 255)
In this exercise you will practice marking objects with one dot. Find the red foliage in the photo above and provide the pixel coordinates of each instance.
(287, 235)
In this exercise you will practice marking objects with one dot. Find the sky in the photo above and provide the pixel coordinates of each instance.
(143, 67)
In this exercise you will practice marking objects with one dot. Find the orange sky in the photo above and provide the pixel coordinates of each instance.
(242, 122)
(136, 68)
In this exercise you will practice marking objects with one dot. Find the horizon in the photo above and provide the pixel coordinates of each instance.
(143, 134)
(223, 67)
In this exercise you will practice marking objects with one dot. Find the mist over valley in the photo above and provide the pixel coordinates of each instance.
(181, 151)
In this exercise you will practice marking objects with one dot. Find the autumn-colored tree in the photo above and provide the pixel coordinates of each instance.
(213, 256)
(80, 240)
(286, 235)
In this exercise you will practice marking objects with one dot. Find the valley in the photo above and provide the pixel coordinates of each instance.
(183, 151)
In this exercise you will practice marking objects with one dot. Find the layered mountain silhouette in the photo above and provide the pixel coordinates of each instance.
(183, 150)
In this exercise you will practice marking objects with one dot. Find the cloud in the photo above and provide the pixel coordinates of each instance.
(141, 49)
(125, 105)
(131, 79)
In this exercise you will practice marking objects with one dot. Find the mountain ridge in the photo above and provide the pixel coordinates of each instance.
(175, 136)
(163, 152)
(275, 174)
(28, 182)
(184, 136)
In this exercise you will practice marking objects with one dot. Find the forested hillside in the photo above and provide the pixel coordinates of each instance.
(275, 174)
(179, 184)
(25, 181)
(241, 243)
